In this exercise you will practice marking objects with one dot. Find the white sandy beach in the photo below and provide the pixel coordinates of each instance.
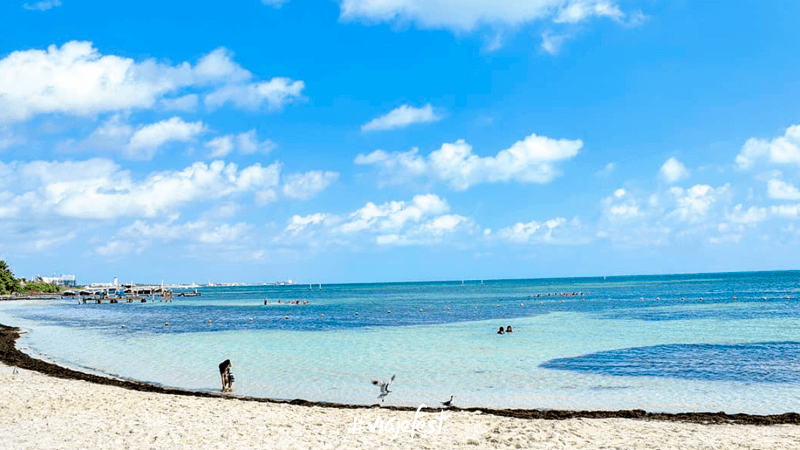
(40, 412)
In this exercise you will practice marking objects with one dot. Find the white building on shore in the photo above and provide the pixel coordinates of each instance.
(63, 280)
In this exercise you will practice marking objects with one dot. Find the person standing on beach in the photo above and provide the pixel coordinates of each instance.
(225, 374)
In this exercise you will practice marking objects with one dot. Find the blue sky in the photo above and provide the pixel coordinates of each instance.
(355, 140)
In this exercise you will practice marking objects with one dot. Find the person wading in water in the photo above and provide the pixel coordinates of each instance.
(226, 375)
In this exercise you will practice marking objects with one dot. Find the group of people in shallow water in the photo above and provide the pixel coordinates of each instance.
(507, 330)
(288, 302)
(562, 294)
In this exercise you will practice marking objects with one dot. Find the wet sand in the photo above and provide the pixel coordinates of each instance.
(48, 406)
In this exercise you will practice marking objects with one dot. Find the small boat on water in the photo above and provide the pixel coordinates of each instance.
(190, 294)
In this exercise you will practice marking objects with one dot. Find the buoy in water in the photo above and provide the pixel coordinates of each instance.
(166, 324)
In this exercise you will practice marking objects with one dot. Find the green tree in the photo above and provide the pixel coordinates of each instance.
(8, 283)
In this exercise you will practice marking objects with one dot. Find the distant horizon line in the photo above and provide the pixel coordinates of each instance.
(293, 283)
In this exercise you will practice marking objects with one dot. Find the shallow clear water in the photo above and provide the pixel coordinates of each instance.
(605, 349)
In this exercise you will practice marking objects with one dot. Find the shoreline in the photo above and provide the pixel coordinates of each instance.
(12, 356)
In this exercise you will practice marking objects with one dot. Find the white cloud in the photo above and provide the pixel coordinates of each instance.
(116, 134)
(786, 211)
(274, 3)
(750, 216)
(145, 141)
(781, 150)
(100, 189)
(725, 238)
(51, 241)
(460, 16)
(428, 232)
(607, 170)
(113, 135)
(117, 248)
(247, 143)
(8, 138)
(306, 185)
(422, 221)
(184, 103)
(299, 223)
(498, 16)
(75, 79)
(664, 216)
(393, 216)
(200, 231)
(43, 5)
(219, 65)
(223, 233)
(532, 160)
(139, 235)
(621, 206)
(694, 203)
(402, 117)
(532, 231)
(580, 11)
(552, 42)
(625, 210)
(266, 196)
(781, 190)
(673, 171)
(442, 225)
(276, 93)
(219, 147)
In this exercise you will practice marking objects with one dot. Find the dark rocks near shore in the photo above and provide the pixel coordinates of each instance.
(10, 355)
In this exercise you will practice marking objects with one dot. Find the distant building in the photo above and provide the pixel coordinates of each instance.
(63, 280)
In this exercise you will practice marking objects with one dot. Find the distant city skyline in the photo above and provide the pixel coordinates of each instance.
(334, 141)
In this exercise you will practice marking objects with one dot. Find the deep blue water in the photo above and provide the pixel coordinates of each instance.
(763, 362)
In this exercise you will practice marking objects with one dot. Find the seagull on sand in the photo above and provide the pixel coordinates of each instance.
(384, 386)
(449, 402)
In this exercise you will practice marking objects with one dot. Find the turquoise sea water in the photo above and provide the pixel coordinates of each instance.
(646, 342)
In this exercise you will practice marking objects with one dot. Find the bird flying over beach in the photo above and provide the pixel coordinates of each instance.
(384, 386)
